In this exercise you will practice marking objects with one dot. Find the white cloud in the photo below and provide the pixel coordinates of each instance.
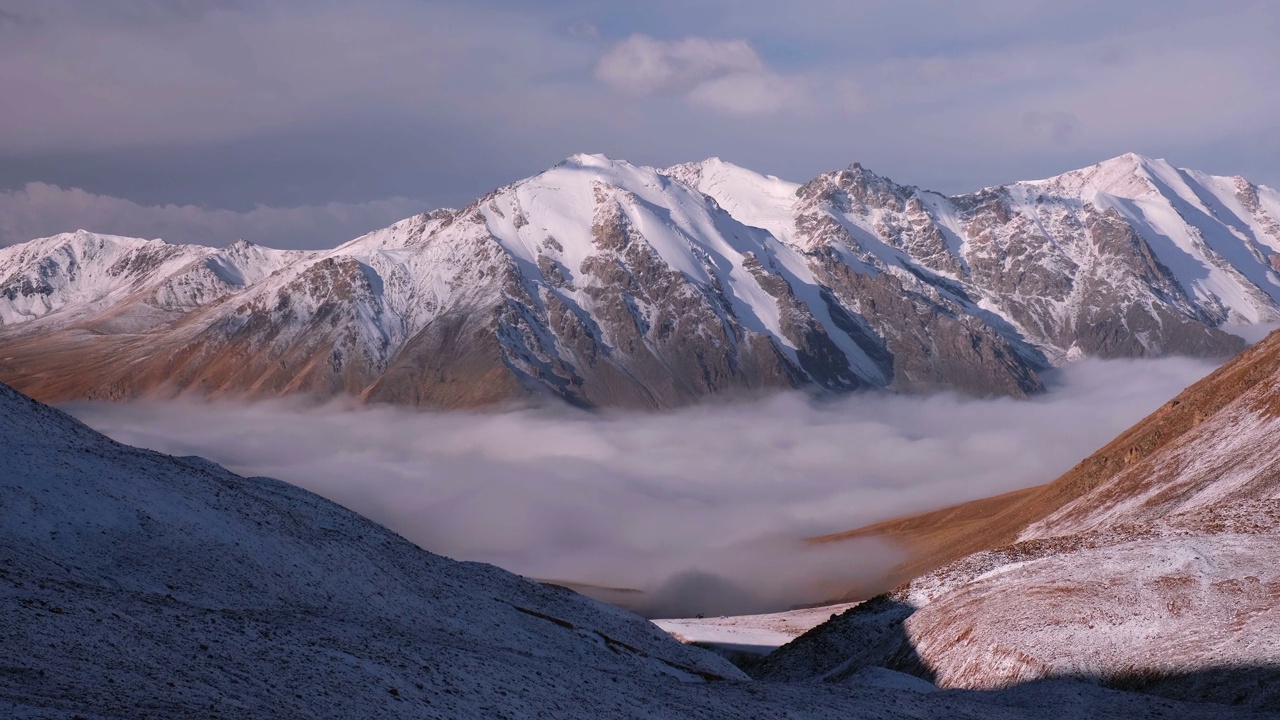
(40, 209)
(942, 95)
(644, 65)
(651, 500)
(750, 94)
(722, 75)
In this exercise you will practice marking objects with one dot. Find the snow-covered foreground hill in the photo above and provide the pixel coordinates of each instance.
(136, 584)
(1150, 565)
(605, 283)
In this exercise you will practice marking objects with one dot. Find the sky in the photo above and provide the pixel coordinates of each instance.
(704, 509)
(305, 123)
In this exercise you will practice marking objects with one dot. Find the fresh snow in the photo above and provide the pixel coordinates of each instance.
(1194, 222)
(755, 634)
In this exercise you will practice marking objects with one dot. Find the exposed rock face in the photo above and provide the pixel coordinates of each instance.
(1149, 566)
(603, 283)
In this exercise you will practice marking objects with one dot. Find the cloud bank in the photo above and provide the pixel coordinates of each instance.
(40, 210)
(231, 103)
(704, 509)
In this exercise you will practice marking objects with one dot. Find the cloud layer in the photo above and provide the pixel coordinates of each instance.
(704, 509)
(722, 75)
(223, 103)
(40, 210)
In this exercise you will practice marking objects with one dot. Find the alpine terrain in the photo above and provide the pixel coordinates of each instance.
(1150, 565)
(137, 584)
(605, 283)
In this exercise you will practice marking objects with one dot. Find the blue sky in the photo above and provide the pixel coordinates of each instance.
(304, 123)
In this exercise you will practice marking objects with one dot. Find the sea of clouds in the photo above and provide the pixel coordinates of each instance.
(703, 510)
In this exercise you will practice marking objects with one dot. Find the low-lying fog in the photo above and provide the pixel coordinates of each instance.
(704, 509)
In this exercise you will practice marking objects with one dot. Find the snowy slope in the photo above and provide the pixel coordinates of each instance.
(1189, 616)
(762, 201)
(134, 583)
(126, 573)
(1218, 250)
(605, 283)
(1161, 252)
(754, 634)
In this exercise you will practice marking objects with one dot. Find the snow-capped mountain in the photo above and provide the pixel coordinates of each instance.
(138, 584)
(605, 283)
(1127, 258)
(1150, 565)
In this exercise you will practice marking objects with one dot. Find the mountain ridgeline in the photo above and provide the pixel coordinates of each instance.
(607, 284)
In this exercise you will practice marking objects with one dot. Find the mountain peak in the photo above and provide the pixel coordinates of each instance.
(854, 179)
(83, 236)
(597, 264)
(1128, 175)
(713, 166)
(715, 161)
(591, 160)
(1129, 158)
(1133, 162)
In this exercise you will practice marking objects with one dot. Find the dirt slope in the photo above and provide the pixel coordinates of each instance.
(1128, 466)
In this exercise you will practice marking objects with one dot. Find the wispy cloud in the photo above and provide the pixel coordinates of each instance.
(643, 65)
(722, 75)
(710, 502)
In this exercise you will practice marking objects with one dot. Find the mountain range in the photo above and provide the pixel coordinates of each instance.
(608, 284)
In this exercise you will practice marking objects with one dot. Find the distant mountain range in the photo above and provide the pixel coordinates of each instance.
(608, 284)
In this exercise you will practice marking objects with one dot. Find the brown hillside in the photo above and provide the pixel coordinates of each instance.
(938, 537)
